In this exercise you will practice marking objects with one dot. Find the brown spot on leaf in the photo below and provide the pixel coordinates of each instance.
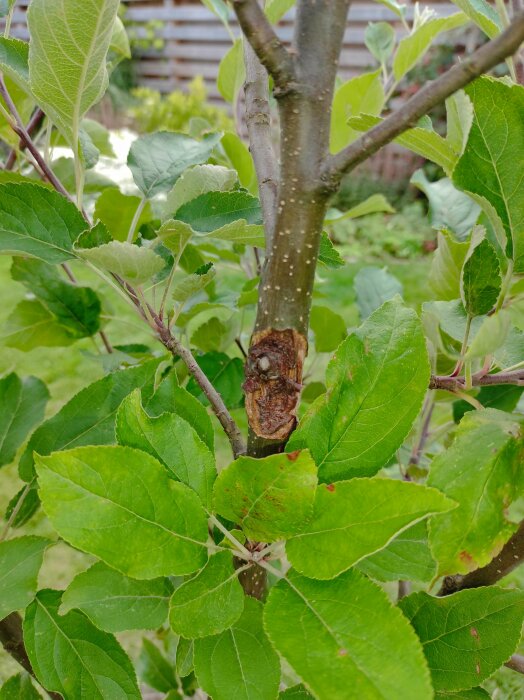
(477, 668)
(474, 632)
(467, 558)
(273, 381)
(342, 652)
(293, 456)
(330, 487)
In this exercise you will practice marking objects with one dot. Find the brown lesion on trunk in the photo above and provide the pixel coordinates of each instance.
(274, 381)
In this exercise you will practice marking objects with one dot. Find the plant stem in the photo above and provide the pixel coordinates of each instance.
(427, 413)
(216, 522)
(450, 383)
(136, 219)
(464, 347)
(32, 127)
(16, 509)
(506, 284)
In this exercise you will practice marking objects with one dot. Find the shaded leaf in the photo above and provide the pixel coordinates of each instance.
(225, 373)
(446, 266)
(116, 210)
(20, 562)
(154, 669)
(373, 286)
(481, 280)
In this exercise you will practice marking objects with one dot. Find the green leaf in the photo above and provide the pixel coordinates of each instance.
(297, 692)
(231, 72)
(119, 43)
(158, 160)
(449, 208)
(407, 558)
(371, 205)
(483, 14)
(490, 336)
(353, 519)
(172, 398)
(175, 235)
(425, 142)
(154, 669)
(452, 318)
(480, 471)
(481, 280)
(276, 9)
(20, 562)
(466, 636)
(225, 373)
(398, 8)
(14, 61)
(379, 38)
(376, 383)
(413, 47)
(31, 325)
(446, 266)
(213, 210)
(219, 8)
(77, 309)
(115, 603)
(26, 502)
(505, 397)
(364, 93)
(356, 634)
(172, 441)
(67, 58)
(23, 404)
(71, 656)
(6, 6)
(116, 211)
(471, 694)
(240, 158)
(327, 253)
(196, 181)
(459, 118)
(89, 417)
(270, 498)
(19, 687)
(194, 283)
(329, 328)
(487, 169)
(90, 496)
(38, 222)
(240, 662)
(373, 286)
(135, 264)
(184, 657)
(210, 602)
(240, 232)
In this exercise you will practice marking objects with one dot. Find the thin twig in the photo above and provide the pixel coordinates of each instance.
(451, 383)
(32, 127)
(433, 93)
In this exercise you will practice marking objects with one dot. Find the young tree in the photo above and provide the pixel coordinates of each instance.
(279, 555)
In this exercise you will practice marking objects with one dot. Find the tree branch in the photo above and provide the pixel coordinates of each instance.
(516, 663)
(32, 127)
(258, 120)
(266, 44)
(432, 94)
(511, 556)
(450, 383)
(11, 638)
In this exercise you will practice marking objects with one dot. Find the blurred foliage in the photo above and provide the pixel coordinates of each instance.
(174, 112)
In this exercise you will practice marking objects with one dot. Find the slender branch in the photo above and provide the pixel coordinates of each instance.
(432, 94)
(19, 128)
(12, 639)
(510, 556)
(32, 127)
(266, 44)
(516, 663)
(450, 383)
(258, 120)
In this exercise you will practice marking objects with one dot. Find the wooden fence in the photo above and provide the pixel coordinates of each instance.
(194, 41)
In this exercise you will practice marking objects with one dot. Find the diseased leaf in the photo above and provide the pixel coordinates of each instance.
(353, 519)
(376, 382)
(271, 498)
(466, 636)
(135, 264)
(114, 602)
(487, 169)
(329, 328)
(356, 635)
(210, 602)
(481, 471)
(23, 403)
(71, 656)
(157, 160)
(172, 441)
(213, 210)
(373, 286)
(89, 417)
(67, 58)
(240, 662)
(90, 496)
(20, 562)
(406, 558)
(38, 222)
(116, 210)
